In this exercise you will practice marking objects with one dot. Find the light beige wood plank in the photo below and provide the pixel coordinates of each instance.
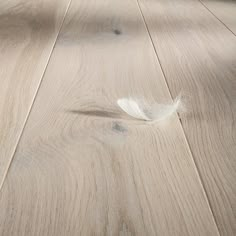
(83, 167)
(197, 54)
(28, 30)
(224, 10)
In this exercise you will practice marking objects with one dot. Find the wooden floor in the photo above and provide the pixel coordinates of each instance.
(72, 163)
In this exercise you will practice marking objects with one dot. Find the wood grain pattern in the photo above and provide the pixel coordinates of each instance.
(224, 10)
(197, 54)
(28, 30)
(83, 167)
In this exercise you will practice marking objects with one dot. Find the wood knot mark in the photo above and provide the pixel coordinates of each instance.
(118, 127)
(117, 32)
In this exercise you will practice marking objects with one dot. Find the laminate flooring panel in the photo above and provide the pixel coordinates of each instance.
(197, 54)
(28, 30)
(224, 10)
(82, 166)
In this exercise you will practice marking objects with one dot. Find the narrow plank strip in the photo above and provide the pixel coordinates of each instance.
(28, 30)
(84, 168)
(224, 10)
(197, 54)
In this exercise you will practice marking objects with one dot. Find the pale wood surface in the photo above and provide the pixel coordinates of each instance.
(198, 56)
(83, 167)
(28, 30)
(224, 10)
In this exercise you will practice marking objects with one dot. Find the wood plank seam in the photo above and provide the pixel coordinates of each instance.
(204, 5)
(186, 140)
(34, 98)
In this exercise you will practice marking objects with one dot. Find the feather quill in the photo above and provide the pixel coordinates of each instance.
(139, 109)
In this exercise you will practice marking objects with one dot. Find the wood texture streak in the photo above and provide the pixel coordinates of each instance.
(197, 54)
(224, 10)
(28, 30)
(83, 167)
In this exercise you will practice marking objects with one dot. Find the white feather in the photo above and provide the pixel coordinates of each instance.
(139, 109)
